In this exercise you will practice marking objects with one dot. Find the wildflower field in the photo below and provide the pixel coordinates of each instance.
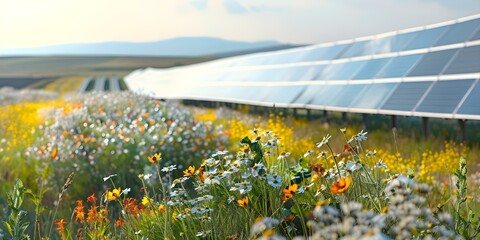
(125, 166)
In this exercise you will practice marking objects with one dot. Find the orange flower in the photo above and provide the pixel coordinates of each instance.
(92, 214)
(292, 189)
(155, 158)
(54, 153)
(60, 225)
(131, 207)
(120, 222)
(289, 218)
(92, 199)
(189, 171)
(341, 185)
(289, 191)
(79, 213)
(243, 202)
(161, 208)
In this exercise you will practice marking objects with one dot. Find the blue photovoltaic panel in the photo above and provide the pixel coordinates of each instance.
(399, 66)
(445, 96)
(472, 102)
(406, 96)
(459, 32)
(426, 38)
(340, 71)
(373, 96)
(356, 49)
(347, 94)
(475, 36)
(309, 93)
(326, 95)
(371, 68)
(389, 44)
(249, 93)
(466, 61)
(422, 84)
(283, 94)
(432, 63)
(323, 53)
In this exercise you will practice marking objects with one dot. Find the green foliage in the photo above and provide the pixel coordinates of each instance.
(467, 223)
(15, 224)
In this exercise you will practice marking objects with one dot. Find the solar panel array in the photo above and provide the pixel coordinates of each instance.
(430, 71)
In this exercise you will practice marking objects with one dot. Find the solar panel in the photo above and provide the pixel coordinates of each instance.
(476, 36)
(389, 44)
(444, 96)
(399, 66)
(326, 94)
(356, 49)
(422, 72)
(309, 93)
(340, 71)
(283, 94)
(466, 61)
(426, 38)
(406, 96)
(347, 94)
(374, 95)
(459, 32)
(471, 105)
(323, 53)
(371, 68)
(432, 63)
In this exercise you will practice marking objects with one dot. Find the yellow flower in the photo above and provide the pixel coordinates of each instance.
(155, 158)
(243, 202)
(323, 202)
(341, 185)
(189, 171)
(146, 200)
(113, 195)
(161, 208)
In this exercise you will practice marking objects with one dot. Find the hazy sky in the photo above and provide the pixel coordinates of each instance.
(31, 23)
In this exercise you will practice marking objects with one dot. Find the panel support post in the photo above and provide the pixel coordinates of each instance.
(394, 121)
(344, 116)
(365, 121)
(326, 115)
(426, 129)
(462, 128)
(309, 114)
(295, 114)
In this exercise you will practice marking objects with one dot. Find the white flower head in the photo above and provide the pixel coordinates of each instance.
(169, 168)
(324, 140)
(361, 136)
(107, 178)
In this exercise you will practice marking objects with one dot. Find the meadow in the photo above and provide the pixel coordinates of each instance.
(125, 166)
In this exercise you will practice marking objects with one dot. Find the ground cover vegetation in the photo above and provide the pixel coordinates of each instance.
(125, 166)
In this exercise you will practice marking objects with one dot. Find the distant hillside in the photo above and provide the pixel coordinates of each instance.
(178, 47)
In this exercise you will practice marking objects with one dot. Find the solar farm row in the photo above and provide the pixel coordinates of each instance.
(430, 71)
(102, 84)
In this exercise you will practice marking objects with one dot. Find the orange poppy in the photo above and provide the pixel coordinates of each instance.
(243, 202)
(341, 185)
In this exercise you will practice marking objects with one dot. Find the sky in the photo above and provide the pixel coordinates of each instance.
(34, 23)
